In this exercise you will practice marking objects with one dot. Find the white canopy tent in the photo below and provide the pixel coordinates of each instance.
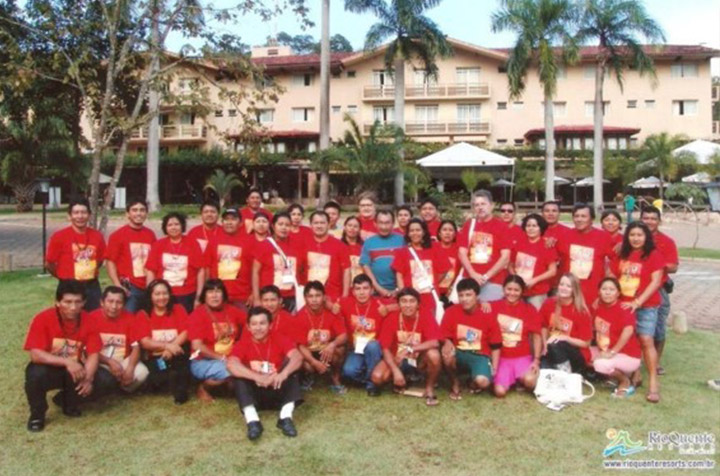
(647, 182)
(466, 156)
(587, 182)
(700, 177)
(702, 150)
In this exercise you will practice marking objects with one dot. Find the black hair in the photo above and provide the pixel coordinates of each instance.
(210, 203)
(212, 284)
(280, 215)
(361, 278)
(607, 213)
(178, 216)
(512, 204)
(541, 222)
(114, 290)
(151, 287)
(319, 213)
(385, 211)
(407, 208)
(426, 241)
(316, 285)
(332, 204)
(270, 288)
(295, 206)
(468, 284)
(134, 201)
(261, 215)
(650, 209)
(612, 280)
(78, 201)
(447, 222)
(647, 248)
(252, 190)
(408, 292)
(344, 238)
(69, 286)
(581, 206)
(550, 202)
(514, 278)
(429, 200)
(256, 311)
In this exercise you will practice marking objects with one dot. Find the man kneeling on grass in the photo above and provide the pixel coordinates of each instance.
(64, 352)
(263, 364)
(472, 339)
(409, 340)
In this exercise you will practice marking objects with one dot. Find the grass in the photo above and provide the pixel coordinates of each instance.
(698, 253)
(147, 434)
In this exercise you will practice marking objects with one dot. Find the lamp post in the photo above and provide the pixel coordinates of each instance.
(44, 187)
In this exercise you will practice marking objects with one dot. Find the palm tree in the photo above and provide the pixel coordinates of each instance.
(223, 184)
(413, 36)
(615, 25)
(325, 98)
(540, 25)
(658, 152)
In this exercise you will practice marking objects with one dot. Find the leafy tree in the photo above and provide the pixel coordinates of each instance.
(223, 184)
(685, 191)
(658, 156)
(306, 44)
(529, 177)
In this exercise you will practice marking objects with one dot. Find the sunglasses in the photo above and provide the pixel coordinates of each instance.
(506, 210)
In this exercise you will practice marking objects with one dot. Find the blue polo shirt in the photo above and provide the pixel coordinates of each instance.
(378, 252)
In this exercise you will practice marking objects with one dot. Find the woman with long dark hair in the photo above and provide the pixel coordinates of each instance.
(533, 260)
(351, 237)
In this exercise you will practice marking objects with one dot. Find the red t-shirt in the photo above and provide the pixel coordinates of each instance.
(272, 264)
(610, 321)
(473, 332)
(286, 324)
(451, 253)
(567, 320)
(361, 319)
(204, 235)
(354, 252)
(533, 259)
(434, 261)
(264, 357)
(635, 273)
(317, 331)
(117, 335)
(487, 240)
(50, 333)
(76, 255)
(433, 227)
(163, 328)
(229, 258)
(398, 329)
(584, 254)
(515, 233)
(368, 227)
(616, 238)
(303, 233)
(516, 321)
(668, 249)
(177, 263)
(218, 330)
(129, 249)
(247, 216)
(327, 262)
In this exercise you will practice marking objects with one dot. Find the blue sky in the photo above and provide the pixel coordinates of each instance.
(684, 22)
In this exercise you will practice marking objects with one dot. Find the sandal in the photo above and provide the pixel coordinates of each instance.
(653, 397)
(455, 396)
(431, 401)
(660, 371)
(338, 389)
(623, 392)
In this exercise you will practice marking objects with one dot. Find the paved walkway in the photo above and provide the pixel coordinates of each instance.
(697, 290)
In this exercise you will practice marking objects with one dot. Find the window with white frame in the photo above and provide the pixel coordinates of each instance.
(561, 72)
(232, 112)
(589, 72)
(649, 104)
(501, 142)
(187, 119)
(632, 104)
(265, 116)
(684, 70)
(422, 77)
(336, 109)
(518, 105)
(589, 143)
(280, 147)
(468, 113)
(382, 78)
(302, 79)
(187, 84)
(427, 113)
(576, 143)
(219, 113)
(519, 142)
(501, 105)
(312, 146)
(303, 114)
(467, 75)
(352, 110)
(685, 108)
(559, 108)
(384, 114)
(612, 143)
(622, 143)
(590, 108)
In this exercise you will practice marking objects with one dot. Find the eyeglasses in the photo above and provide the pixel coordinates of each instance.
(506, 210)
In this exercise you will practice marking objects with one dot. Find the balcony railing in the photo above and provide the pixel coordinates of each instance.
(442, 128)
(173, 132)
(716, 129)
(430, 91)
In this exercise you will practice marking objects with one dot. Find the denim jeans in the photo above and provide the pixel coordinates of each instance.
(209, 369)
(358, 367)
(136, 300)
(663, 313)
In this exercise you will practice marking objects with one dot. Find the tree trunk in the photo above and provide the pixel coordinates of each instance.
(24, 196)
(152, 194)
(549, 150)
(400, 122)
(325, 99)
(662, 182)
(110, 195)
(598, 137)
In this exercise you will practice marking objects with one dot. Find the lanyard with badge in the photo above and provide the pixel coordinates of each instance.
(426, 282)
(288, 276)
(361, 338)
(265, 364)
(316, 330)
(409, 338)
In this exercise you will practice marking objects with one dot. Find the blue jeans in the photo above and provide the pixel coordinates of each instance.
(662, 315)
(358, 367)
(136, 300)
(209, 369)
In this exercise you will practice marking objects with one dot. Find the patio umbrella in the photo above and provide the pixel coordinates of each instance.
(647, 182)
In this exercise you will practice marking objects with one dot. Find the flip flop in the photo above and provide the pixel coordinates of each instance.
(623, 392)
(653, 397)
(661, 371)
(431, 401)
(455, 396)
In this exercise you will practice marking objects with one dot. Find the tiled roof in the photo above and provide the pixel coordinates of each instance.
(274, 63)
(655, 51)
(565, 130)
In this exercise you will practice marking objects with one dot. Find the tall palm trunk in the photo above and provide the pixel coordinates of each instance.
(152, 192)
(325, 98)
(549, 150)
(24, 193)
(662, 182)
(400, 122)
(598, 137)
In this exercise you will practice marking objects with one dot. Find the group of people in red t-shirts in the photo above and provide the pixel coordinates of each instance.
(265, 304)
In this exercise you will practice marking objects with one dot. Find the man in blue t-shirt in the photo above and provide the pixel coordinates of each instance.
(378, 253)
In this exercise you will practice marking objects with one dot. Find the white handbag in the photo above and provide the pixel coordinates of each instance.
(453, 297)
(439, 308)
(299, 290)
(556, 389)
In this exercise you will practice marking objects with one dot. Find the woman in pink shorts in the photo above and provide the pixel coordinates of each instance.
(521, 339)
(617, 354)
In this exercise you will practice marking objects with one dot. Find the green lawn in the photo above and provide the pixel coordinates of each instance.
(699, 253)
(341, 435)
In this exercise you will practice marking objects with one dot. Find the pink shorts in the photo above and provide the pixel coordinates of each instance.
(622, 362)
(510, 370)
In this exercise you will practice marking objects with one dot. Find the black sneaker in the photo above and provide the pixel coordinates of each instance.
(72, 412)
(181, 399)
(254, 430)
(287, 426)
(373, 391)
(36, 424)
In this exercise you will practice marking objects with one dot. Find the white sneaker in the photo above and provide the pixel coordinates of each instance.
(714, 384)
